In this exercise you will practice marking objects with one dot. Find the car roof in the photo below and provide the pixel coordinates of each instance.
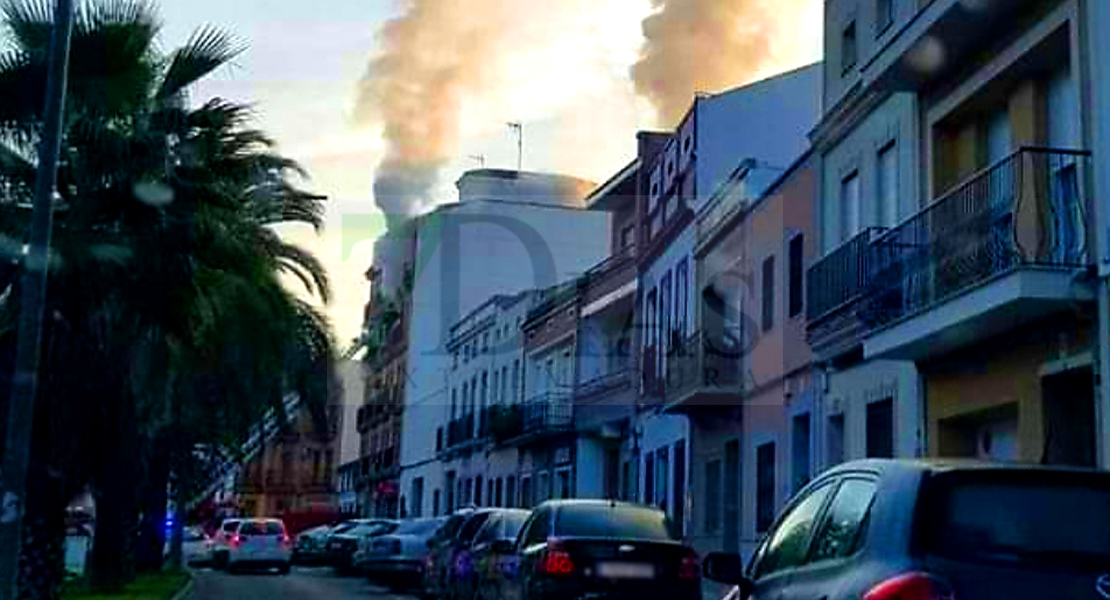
(596, 503)
(890, 466)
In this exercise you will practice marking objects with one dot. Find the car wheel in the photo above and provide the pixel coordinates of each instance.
(284, 569)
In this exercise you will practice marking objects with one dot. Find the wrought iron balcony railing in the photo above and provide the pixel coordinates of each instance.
(548, 411)
(594, 388)
(840, 277)
(1027, 210)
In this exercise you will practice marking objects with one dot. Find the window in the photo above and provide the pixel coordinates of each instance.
(800, 463)
(712, 496)
(450, 487)
(490, 500)
(435, 503)
(849, 207)
(495, 388)
(662, 470)
(454, 402)
(485, 343)
(679, 511)
(478, 491)
(681, 291)
(544, 490)
(468, 489)
(843, 527)
(797, 272)
(769, 293)
(526, 492)
(764, 486)
(605, 520)
(439, 439)
(510, 491)
(787, 546)
(626, 481)
(535, 530)
(835, 445)
(504, 384)
(732, 496)
(516, 380)
(665, 316)
(417, 496)
(887, 183)
(628, 236)
(563, 477)
(880, 429)
(649, 478)
(884, 16)
(499, 489)
(848, 49)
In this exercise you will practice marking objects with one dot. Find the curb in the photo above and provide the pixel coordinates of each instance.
(186, 590)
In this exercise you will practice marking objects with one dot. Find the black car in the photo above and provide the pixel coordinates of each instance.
(490, 554)
(926, 530)
(600, 549)
(448, 564)
(441, 548)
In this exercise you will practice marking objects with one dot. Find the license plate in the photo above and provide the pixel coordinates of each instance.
(625, 570)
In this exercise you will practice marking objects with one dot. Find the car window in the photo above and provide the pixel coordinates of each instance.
(536, 530)
(614, 521)
(417, 527)
(192, 534)
(787, 544)
(489, 531)
(511, 524)
(230, 526)
(261, 528)
(1041, 518)
(466, 533)
(843, 526)
(451, 527)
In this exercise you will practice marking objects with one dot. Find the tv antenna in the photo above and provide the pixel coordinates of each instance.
(480, 159)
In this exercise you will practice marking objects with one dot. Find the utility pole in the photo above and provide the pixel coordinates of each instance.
(518, 128)
(21, 411)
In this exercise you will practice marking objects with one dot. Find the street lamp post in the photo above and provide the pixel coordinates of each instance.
(21, 412)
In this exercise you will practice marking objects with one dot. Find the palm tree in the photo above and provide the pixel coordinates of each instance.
(167, 319)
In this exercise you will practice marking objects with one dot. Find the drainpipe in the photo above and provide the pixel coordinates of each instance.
(1097, 52)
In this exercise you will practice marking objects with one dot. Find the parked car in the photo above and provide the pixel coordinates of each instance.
(440, 552)
(886, 530)
(310, 545)
(196, 546)
(598, 548)
(260, 543)
(490, 554)
(397, 558)
(220, 540)
(342, 545)
(450, 565)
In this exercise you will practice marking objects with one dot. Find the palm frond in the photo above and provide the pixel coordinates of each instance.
(207, 50)
(28, 23)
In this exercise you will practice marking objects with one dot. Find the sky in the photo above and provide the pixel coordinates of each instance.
(300, 71)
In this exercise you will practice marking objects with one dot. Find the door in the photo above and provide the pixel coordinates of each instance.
(1069, 418)
(732, 497)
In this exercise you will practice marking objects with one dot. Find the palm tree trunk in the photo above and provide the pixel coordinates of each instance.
(42, 559)
(152, 530)
(113, 551)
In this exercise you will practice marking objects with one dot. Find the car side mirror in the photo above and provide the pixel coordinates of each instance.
(501, 547)
(728, 568)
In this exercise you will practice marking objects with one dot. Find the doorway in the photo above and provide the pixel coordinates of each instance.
(1069, 418)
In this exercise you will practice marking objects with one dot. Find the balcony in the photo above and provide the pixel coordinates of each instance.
(604, 399)
(703, 370)
(1002, 249)
(547, 413)
(612, 279)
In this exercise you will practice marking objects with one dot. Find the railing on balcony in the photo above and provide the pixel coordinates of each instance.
(614, 261)
(721, 208)
(617, 379)
(1027, 210)
(707, 361)
(548, 411)
(840, 277)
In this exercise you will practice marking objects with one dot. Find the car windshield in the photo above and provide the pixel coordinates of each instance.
(418, 527)
(261, 528)
(192, 534)
(619, 521)
(230, 525)
(1036, 520)
(345, 526)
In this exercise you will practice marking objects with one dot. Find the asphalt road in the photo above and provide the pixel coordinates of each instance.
(303, 583)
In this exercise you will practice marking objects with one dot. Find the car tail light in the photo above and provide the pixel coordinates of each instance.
(556, 560)
(911, 586)
(286, 540)
(690, 567)
(235, 540)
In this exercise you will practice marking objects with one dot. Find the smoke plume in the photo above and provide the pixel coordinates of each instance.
(711, 45)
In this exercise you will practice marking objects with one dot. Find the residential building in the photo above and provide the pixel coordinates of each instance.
(387, 320)
(510, 232)
(485, 386)
(764, 123)
(957, 229)
(292, 476)
(353, 381)
(745, 379)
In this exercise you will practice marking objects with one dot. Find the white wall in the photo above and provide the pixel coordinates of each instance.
(892, 121)
(849, 393)
(467, 253)
(590, 469)
(350, 373)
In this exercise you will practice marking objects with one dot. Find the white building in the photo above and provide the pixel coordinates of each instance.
(505, 236)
